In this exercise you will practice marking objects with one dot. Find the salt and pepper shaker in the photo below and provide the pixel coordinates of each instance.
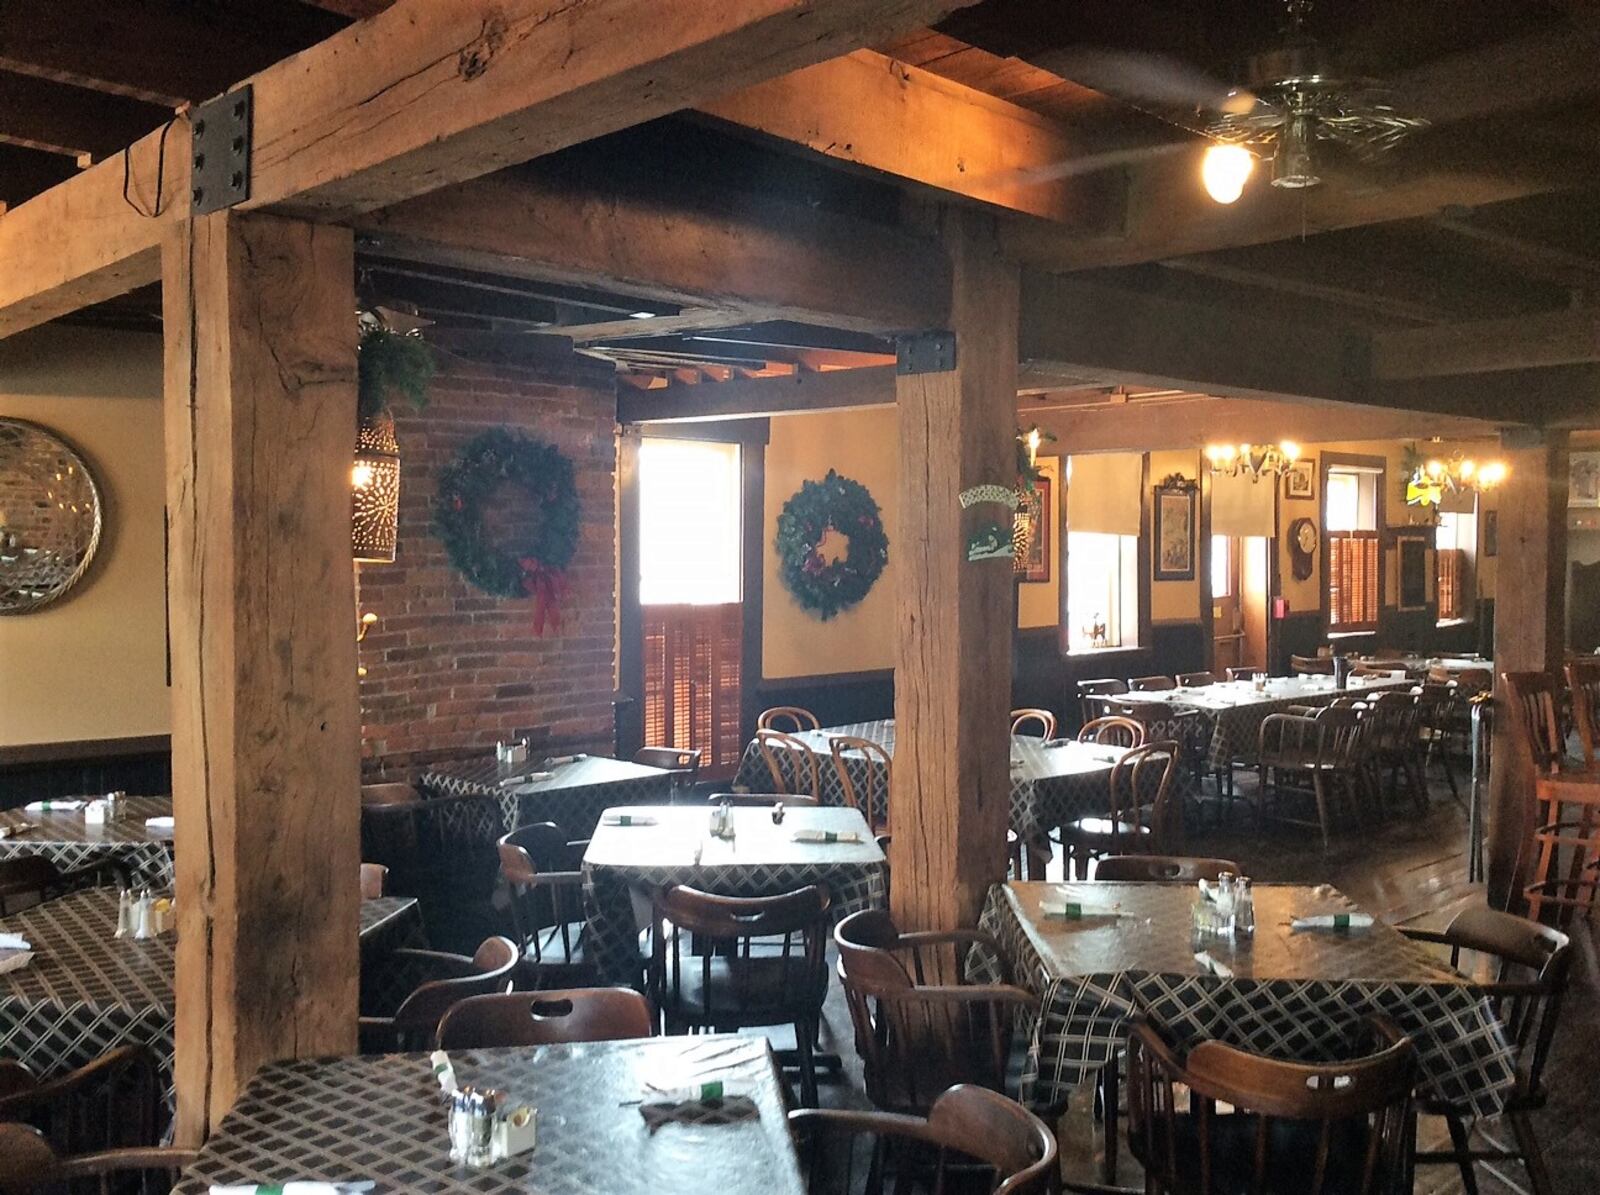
(1225, 901)
(144, 920)
(1244, 909)
(125, 914)
(722, 820)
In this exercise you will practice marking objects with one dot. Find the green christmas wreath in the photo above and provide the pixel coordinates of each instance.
(534, 566)
(844, 506)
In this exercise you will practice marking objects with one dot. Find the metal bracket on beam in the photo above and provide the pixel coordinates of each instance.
(925, 352)
(221, 176)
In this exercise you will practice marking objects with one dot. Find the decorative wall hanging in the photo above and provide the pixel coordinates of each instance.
(823, 578)
(1027, 529)
(1034, 514)
(527, 486)
(1430, 479)
(389, 363)
(50, 517)
(1300, 481)
(1303, 540)
(1583, 481)
(989, 540)
(1174, 532)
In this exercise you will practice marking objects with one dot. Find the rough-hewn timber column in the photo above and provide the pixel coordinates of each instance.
(260, 411)
(1529, 631)
(947, 804)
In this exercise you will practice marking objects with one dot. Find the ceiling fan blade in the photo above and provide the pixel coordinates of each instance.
(1153, 83)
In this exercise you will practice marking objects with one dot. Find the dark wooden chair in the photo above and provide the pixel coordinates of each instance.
(792, 765)
(374, 879)
(763, 800)
(543, 871)
(1391, 732)
(754, 961)
(1244, 672)
(1311, 665)
(1113, 730)
(967, 1128)
(448, 979)
(1092, 695)
(684, 764)
(1319, 751)
(1151, 684)
(1043, 719)
(1161, 869)
(1338, 1128)
(1196, 680)
(113, 1102)
(28, 1164)
(1583, 683)
(544, 1018)
(1141, 817)
(917, 1038)
(791, 719)
(864, 780)
(28, 879)
(1439, 708)
(1533, 710)
(1527, 966)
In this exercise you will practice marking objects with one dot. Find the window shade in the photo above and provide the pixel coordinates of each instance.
(1452, 564)
(1103, 493)
(691, 682)
(1353, 580)
(1242, 507)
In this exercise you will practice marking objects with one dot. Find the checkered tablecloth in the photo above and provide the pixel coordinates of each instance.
(69, 842)
(381, 1119)
(574, 795)
(1296, 996)
(624, 864)
(1237, 710)
(86, 991)
(1050, 783)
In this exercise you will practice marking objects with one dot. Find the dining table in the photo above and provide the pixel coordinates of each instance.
(603, 1125)
(649, 847)
(571, 791)
(1096, 954)
(70, 841)
(86, 991)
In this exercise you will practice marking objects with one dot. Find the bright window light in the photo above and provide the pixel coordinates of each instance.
(1102, 586)
(689, 541)
(1221, 566)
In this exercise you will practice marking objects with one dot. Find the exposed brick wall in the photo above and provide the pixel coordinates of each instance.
(450, 669)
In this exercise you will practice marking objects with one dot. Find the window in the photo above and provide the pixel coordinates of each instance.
(1350, 522)
(689, 549)
(1102, 590)
(1221, 566)
(1455, 542)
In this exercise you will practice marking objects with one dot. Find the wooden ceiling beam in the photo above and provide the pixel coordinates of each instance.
(424, 95)
(869, 110)
(690, 319)
(59, 118)
(1490, 346)
(801, 392)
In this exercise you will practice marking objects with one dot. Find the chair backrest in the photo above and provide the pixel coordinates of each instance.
(546, 1018)
(864, 778)
(791, 764)
(789, 718)
(1391, 723)
(374, 879)
(1583, 680)
(390, 793)
(1141, 791)
(681, 760)
(1151, 684)
(969, 1122)
(1091, 695)
(1339, 731)
(541, 870)
(763, 800)
(1043, 719)
(1195, 680)
(1534, 699)
(489, 970)
(1114, 730)
(109, 1103)
(1326, 1100)
(1191, 729)
(1161, 868)
(1472, 681)
(28, 1163)
(1311, 665)
(1245, 672)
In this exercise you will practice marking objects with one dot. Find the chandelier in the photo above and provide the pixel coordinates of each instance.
(1254, 461)
(1432, 479)
(1291, 99)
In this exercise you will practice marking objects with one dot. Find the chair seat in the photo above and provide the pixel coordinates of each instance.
(1302, 763)
(1103, 827)
(760, 990)
(1291, 1148)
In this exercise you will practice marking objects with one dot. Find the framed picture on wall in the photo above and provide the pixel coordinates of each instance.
(1036, 508)
(1301, 481)
(1491, 533)
(1174, 533)
(1583, 484)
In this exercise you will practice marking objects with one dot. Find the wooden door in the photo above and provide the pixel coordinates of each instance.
(1226, 631)
(1255, 586)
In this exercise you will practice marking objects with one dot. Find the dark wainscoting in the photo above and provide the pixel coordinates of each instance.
(1300, 634)
(142, 766)
(1044, 678)
(835, 699)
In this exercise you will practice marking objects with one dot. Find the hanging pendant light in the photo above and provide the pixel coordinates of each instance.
(375, 490)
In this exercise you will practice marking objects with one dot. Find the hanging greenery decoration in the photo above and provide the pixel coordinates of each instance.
(534, 564)
(391, 362)
(842, 506)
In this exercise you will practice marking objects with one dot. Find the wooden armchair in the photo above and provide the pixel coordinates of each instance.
(1311, 665)
(1151, 684)
(545, 1018)
(451, 978)
(113, 1102)
(1391, 736)
(682, 763)
(1320, 751)
(1143, 869)
(1092, 695)
(1196, 680)
(29, 879)
(28, 1163)
(543, 871)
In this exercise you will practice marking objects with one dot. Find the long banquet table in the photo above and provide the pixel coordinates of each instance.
(68, 841)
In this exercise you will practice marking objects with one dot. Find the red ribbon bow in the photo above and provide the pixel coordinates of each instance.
(546, 586)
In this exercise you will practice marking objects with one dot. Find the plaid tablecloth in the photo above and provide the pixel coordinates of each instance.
(1293, 995)
(87, 992)
(1237, 710)
(573, 796)
(625, 863)
(1051, 783)
(69, 842)
(381, 1119)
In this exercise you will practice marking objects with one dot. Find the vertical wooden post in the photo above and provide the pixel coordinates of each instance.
(950, 790)
(1529, 632)
(259, 321)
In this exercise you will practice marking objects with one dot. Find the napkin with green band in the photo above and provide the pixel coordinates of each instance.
(627, 819)
(1218, 968)
(1333, 921)
(1073, 911)
(55, 806)
(826, 836)
(525, 778)
(293, 1188)
(556, 761)
(158, 825)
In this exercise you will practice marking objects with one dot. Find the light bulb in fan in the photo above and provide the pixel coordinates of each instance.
(1224, 170)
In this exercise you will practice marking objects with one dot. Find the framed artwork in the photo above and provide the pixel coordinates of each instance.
(1036, 509)
(1301, 481)
(1583, 483)
(1491, 533)
(1174, 533)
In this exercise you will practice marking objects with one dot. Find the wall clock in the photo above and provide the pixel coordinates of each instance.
(1302, 547)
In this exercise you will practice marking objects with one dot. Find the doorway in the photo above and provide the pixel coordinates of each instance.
(1239, 588)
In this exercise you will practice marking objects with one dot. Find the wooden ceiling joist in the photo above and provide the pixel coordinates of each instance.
(57, 117)
(1491, 346)
(844, 389)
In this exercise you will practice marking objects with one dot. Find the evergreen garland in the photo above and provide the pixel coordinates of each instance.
(837, 503)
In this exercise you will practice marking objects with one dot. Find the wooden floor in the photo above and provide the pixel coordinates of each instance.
(1411, 870)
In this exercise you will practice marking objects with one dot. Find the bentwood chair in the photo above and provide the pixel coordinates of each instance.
(1336, 1128)
(1141, 818)
(790, 719)
(543, 873)
(967, 1131)
(547, 1018)
(1151, 684)
(29, 1164)
(1196, 680)
(113, 1102)
(374, 879)
(1043, 719)
(449, 979)
(1527, 966)
(864, 778)
(1092, 695)
(1113, 730)
(755, 961)
(1169, 869)
(792, 765)
(897, 1014)
(1319, 751)
(29, 879)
